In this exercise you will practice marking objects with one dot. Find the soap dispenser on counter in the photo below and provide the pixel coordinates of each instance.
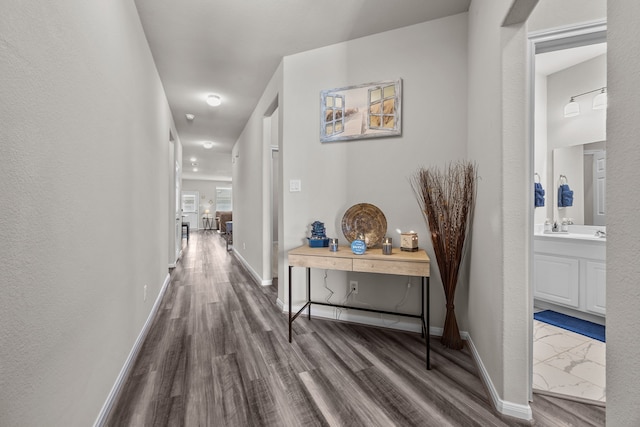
(547, 226)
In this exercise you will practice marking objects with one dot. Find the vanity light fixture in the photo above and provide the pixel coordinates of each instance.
(599, 102)
(214, 100)
(572, 108)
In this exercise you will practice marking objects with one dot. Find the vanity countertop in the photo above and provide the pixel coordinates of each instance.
(578, 236)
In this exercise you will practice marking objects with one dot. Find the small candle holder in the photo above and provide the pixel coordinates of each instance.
(387, 244)
(333, 245)
(409, 241)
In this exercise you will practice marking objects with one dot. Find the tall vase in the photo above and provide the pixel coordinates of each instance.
(447, 200)
(451, 334)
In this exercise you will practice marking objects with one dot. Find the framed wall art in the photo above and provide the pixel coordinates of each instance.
(369, 110)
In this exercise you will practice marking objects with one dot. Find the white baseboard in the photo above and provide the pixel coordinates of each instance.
(128, 364)
(280, 304)
(256, 277)
(511, 409)
(173, 265)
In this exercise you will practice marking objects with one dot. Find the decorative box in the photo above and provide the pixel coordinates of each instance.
(409, 242)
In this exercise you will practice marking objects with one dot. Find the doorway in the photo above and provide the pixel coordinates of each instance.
(275, 196)
(568, 127)
(175, 188)
(191, 208)
(271, 193)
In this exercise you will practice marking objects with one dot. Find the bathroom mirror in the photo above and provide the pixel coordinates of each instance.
(584, 165)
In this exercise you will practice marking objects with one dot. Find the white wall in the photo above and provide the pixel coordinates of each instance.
(250, 158)
(85, 154)
(431, 60)
(552, 14)
(498, 310)
(623, 204)
(589, 125)
(541, 164)
(207, 190)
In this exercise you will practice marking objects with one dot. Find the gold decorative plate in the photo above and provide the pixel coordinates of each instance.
(367, 219)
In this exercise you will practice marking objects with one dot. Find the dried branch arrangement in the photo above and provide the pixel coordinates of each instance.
(447, 199)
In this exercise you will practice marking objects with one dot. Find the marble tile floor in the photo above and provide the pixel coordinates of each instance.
(566, 363)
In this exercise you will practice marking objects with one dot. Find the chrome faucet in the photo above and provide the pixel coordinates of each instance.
(601, 233)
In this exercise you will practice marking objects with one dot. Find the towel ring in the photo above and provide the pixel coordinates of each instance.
(536, 178)
(563, 179)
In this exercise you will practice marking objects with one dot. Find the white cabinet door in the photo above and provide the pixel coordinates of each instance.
(596, 286)
(557, 279)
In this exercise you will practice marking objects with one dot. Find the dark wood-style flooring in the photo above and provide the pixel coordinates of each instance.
(217, 354)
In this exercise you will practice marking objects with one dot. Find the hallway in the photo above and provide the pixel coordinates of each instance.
(217, 355)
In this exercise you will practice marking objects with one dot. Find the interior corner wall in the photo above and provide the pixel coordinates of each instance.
(500, 298)
(431, 60)
(623, 204)
(249, 156)
(84, 170)
(486, 311)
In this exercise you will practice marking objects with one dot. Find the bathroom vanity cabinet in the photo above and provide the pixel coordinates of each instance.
(569, 271)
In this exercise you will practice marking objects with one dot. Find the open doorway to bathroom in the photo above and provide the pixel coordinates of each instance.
(271, 193)
(569, 242)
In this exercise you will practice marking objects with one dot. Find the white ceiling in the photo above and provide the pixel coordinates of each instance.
(552, 62)
(233, 47)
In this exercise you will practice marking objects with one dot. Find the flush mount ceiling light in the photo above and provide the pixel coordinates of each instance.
(193, 159)
(190, 116)
(208, 145)
(214, 100)
(599, 102)
(195, 169)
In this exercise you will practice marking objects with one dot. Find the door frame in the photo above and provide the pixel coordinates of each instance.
(539, 42)
(175, 188)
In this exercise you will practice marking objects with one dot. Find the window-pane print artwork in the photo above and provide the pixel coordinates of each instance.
(364, 111)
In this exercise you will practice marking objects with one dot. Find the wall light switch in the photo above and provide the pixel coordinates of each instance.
(295, 185)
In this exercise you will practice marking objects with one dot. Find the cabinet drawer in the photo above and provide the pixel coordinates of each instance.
(404, 268)
(324, 262)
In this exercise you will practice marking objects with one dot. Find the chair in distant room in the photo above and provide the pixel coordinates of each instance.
(185, 231)
(229, 233)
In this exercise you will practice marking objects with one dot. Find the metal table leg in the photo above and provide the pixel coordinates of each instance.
(309, 291)
(290, 309)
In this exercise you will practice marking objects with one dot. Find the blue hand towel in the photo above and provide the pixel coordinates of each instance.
(538, 195)
(565, 196)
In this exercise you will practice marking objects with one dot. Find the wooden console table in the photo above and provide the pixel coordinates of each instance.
(373, 261)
